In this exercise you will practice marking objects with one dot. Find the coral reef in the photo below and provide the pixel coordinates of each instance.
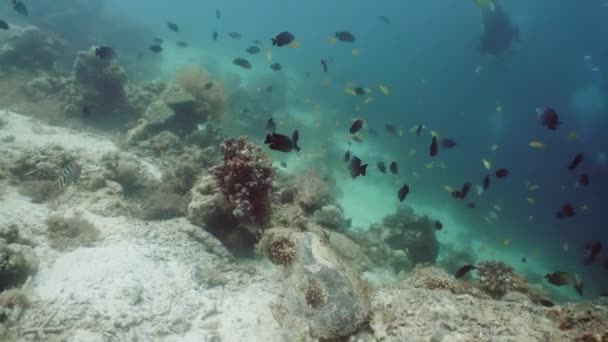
(434, 278)
(331, 217)
(245, 178)
(40, 163)
(126, 171)
(70, 232)
(17, 263)
(452, 258)
(312, 191)
(33, 49)
(164, 206)
(315, 295)
(277, 247)
(12, 304)
(497, 278)
(209, 93)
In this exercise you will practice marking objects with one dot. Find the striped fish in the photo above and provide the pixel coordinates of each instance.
(69, 176)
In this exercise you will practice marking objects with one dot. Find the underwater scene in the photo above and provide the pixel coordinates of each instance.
(303, 171)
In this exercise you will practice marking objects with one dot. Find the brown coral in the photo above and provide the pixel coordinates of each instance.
(315, 296)
(497, 278)
(281, 251)
(245, 178)
(200, 85)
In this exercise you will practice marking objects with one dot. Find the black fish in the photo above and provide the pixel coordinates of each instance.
(242, 62)
(295, 137)
(234, 35)
(384, 19)
(218, 15)
(471, 205)
(271, 126)
(356, 126)
(86, 111)
(324, 64)
(464, 270)
(524, 260)
(576, 162)
(402, 194)
(545, 302)
(438, 225)
(391, 129)
(465, 189)
(345, 36)
(381, 167)
(501, 173)
(105, 52)
(182, 44)
(447, 143)
(279, 142)
(156, 48)
(282, 39)
(359, 91)
(583, 179)
(253, 50)
(357, 168)
(549, 118)
(20, 8)
(4, 25)
(256, 42)
(214, 35)
(140, 55)
(486, 182)
(283, 164)
(157, 40)
(208, 85)
(558, 278)
(394, 168)
(276, 66)
(433, 148)
(173, 26)
(593, 249)
(418, 130)
(566, 211)
(69, 175)
(346, 156)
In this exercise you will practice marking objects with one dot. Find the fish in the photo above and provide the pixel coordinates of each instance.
(471, 205)
(438, 225)
(4, 25)
(182, 44)
(501, 173)
(347, 156)
(394, 168)
(578, 159)
(531, 200)
(384, 89)
(234, 35)
(256, 42)
(403, 192)
(345, 36)
(494, 148)
(208, 85)
(418, 130)
(356, 126)
(86, 111)
(486, 163)
(324, 65)
(276, 66)
(253, 50)
(573, 136)
(157, 40)
(218, 15)
(359, 91)
(524, 260)
(381, 167)
(384, 19)
(507, 242)
(20, 8)
(466, 188)
(214, 35)
(105, 52)
(155, 48)
(331, 40)
(391, 129)
(368, 100)
(447, 143)
(295, 137)
(583, 179)
(545, 302)
(536, 144)
(271, 126)
(173, 26)
(242, 62)
(282, 39)
(593, 249)
(566, 211)
(282, 143)
(548, 118)
(69, 175)
(486, 182)
(357, 168)
(433, 149)
(464, 270)
(558, 278)
(283, 164)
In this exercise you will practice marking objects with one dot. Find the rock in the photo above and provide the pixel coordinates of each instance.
(206, 203)
(349, 251)
(331, 217)
(516, 297)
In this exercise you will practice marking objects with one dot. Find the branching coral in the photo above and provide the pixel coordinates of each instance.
(245, 178)
(208, 92)
(497, 278)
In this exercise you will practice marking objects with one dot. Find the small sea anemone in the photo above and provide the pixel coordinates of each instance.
(497, 278)
(208, 92)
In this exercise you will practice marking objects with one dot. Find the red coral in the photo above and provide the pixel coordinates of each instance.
(245, 178)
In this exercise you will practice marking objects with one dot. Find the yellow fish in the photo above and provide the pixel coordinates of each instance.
(499, 108)
(497, 207)
(442, 165)
(384, 89)
(412, 152)
(507, 242)
(531, 200)
(573, 136)
(269, 55)
(448, 188)
(429, 165)
(358, 108)
(295, 44)
(486, 163)
(368, 100)
(350, 91)
(494, 148)
(331, 40)
(534, 187)
(356, 52)
(536, 144)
